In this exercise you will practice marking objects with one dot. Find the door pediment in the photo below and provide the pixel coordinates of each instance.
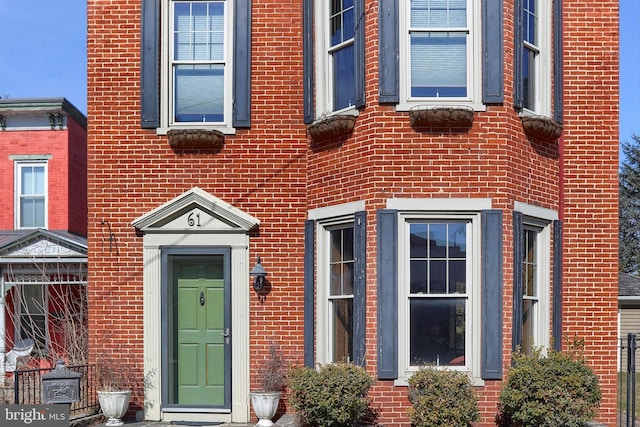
(195, 211)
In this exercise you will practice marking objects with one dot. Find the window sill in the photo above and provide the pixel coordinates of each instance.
(226, 130)
(332, 127)
(424, 117)
(195, 138)
(542, 128)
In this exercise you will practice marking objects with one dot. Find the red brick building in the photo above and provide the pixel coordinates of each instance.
(422, 181)
(43, 226)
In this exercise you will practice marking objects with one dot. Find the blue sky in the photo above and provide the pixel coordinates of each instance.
(43, 54)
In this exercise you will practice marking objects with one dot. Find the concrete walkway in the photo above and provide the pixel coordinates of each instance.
(287, 420)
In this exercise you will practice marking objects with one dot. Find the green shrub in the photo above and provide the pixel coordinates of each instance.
(557, 390)
(333, 396)
(442, 397)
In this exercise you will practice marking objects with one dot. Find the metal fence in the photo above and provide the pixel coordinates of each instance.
(627, 383)
(28, 388)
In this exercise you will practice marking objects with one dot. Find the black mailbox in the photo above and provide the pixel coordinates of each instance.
(61, 385)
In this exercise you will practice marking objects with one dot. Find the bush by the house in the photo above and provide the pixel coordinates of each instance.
(442, 397)
(335, 395)
(556, 390)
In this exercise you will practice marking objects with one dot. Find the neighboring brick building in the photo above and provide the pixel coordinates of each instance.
(43, 225)
(423, 182)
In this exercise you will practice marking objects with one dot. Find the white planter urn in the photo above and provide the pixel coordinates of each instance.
(265, 405)
(114, 405)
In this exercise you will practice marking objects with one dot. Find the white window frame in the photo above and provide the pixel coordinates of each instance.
(542, 307)
(543, 64)
(323, 72)
(472, 320)
(474, 62)
(166, 72)
(327, 219)
(19, 165)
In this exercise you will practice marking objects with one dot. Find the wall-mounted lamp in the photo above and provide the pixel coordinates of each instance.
(259, 273)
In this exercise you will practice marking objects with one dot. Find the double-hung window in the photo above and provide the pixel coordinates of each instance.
(333, 57)
(340, 296)
(438, 292)
(440, 52)
(339, 240)
(196, 65)
(31, 195)
(199, 69)
(340, 53)
(535, 286)
(532, 277)
(536, 28)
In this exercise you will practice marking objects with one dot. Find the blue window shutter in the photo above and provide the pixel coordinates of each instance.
(518, 40)
(492, 52)
(389, 52)
(309, 300)
(518, 279)
(558, 99)
(359, 287)
(242, 64)
(307, 61)
(359, 53)
(556, 327)
(149, 71)
(491, 243)
(387, 294)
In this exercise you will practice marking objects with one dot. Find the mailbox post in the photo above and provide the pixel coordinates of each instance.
(61, 385)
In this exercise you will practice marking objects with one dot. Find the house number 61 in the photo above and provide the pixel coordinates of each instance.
(193, 219)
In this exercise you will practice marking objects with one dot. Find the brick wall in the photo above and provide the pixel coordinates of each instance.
(273, 172)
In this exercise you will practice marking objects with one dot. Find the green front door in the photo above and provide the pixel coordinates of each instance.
(199, 362)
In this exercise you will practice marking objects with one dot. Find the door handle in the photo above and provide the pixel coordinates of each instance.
(225, 334)
(202, 299)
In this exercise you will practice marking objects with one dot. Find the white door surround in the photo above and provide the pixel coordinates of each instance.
(196, 219)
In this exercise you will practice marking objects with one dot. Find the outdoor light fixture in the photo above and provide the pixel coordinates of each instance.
(259, 273)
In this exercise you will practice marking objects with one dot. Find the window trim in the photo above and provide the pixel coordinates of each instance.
(18, 165)
(166, 72)
(474, 63)
(328, 218)
(473, 320)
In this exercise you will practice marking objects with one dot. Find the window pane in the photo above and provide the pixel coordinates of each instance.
(529, 20)
(529, 78)
(438, 277)
(418, 239)
(341, 21)
(341, 261)
(439, 64)
(438, 13)
(343, 77)
(438, 240)
(457, 277)
(530, 263)
(437, 331)
(32, 212)
(199, 93)
(528, 322)
(32, 180)
(342, 318)
(418, 279)
(199, 31)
